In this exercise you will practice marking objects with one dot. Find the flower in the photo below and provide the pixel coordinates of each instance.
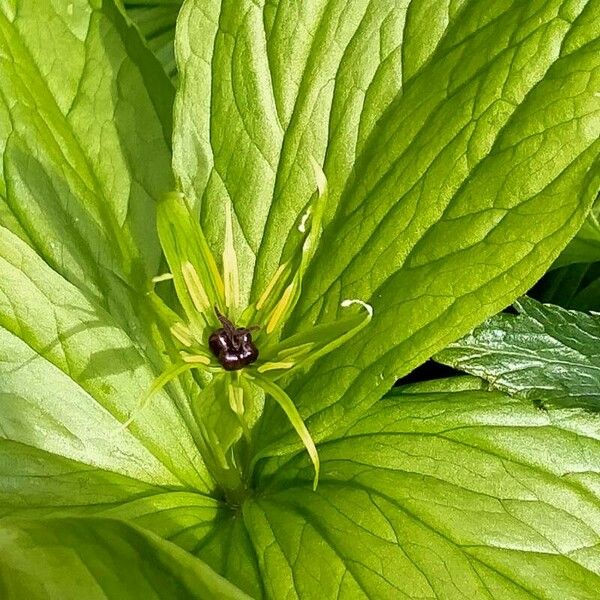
(210, 299)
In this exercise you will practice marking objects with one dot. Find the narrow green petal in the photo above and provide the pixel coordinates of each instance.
(305, 347)
(274, 366)
(162, 277)
(295, 419)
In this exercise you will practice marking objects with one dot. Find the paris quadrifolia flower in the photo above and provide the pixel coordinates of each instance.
(238, 348)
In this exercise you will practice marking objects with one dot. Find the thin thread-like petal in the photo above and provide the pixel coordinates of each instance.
(171, 373)
(295, 419)
(304, 348)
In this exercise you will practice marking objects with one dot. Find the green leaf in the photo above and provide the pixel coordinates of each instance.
(546, 354)
(85, 126)
(585, 246)
(100, 559)
(156, 21)
(35, 484)
(588, 297)
(460, 144)
(574, 286)
(69, 371)
(443, 489)
(440, 490)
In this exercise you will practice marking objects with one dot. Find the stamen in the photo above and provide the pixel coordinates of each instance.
(280, 309)
(194, 286)
(180, 332)
(230, 265)
(195, 359)
(265, 295)
(272, 366)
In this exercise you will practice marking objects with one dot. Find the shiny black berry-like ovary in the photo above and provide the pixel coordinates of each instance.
(234, 349)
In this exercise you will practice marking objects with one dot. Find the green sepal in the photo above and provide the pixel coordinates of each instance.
(213, 412)
(184, 244)
(281, 295)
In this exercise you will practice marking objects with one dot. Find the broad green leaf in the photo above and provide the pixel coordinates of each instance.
(442, 490)
(460, 144)
(72, 558)
(585, 246)
(36, 484)
(156, 21)
(545, 353)
(85, 126)
(69, 377)
(575, 286)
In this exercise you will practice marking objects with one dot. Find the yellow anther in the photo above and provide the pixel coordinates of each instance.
(194, 286)
(265, 295)
(272, 366)
(230, 265)
(195, 359)
(180, 332)
(280, 308)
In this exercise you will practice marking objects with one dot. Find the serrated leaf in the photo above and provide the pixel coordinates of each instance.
(545, 354)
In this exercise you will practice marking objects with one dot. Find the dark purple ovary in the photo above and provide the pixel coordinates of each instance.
(234, 348)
